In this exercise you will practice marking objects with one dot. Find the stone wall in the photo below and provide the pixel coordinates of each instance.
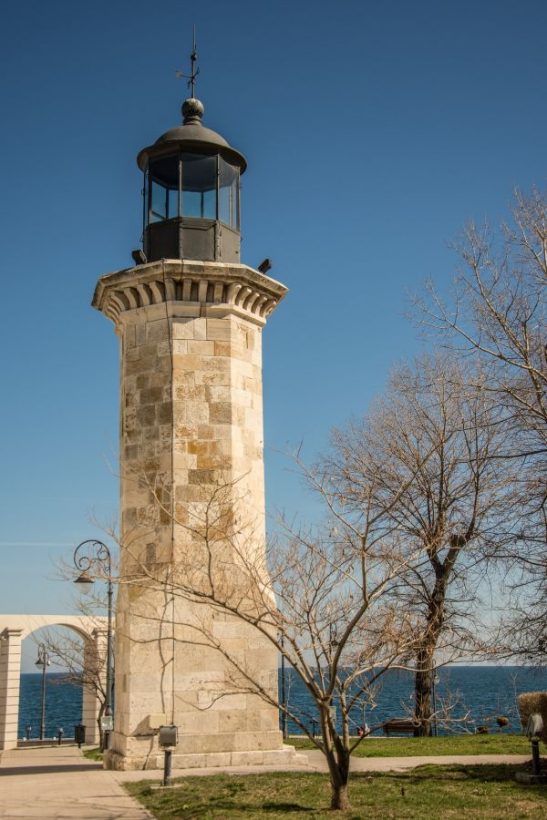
(192, 510)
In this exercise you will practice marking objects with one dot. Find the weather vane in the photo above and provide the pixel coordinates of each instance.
(193, 70)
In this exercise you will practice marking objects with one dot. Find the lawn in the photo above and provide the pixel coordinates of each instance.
(487, 792)
(498, 744)
(93, 754)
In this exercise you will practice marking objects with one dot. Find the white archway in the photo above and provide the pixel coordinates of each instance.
(13, 629)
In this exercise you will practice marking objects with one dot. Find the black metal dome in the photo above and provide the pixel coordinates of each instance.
(193, 137)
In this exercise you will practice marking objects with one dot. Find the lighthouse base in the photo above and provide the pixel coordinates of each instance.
(287, 756)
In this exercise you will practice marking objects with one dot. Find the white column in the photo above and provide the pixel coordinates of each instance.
(94, 669)
(10, 676)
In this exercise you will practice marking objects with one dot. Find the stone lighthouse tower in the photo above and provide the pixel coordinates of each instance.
(189, 317)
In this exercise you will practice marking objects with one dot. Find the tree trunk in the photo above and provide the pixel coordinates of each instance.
(423, 688)
(339, 797)
(338, 761)
(425, 672)
(100, 726)
(339, 775)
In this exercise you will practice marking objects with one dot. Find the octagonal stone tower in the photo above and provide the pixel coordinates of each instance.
(189, 317)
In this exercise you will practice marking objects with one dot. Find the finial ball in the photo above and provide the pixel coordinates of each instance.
(192, 110)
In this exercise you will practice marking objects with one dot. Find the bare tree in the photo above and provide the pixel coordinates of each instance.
(425, 460)
(497, 314)
(498, 311)
(325, 598)
(522, 630)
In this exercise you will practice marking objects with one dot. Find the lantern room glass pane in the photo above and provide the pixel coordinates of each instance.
(200, 204)
(158, 201)
(209, 189)
(164, 202)
(172, 203)
(228, 194)
(199, 186)
(166, 170)
(163, 193)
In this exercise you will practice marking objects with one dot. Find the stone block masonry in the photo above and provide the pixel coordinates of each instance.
(192, 476)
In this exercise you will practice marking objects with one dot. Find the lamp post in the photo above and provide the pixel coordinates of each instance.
(43, 662)
(86, 555)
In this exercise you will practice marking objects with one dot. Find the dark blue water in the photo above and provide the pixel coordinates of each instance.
(63, 704)
(476, 695)
(482, 691)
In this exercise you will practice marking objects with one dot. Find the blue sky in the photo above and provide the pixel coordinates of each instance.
(373, 132)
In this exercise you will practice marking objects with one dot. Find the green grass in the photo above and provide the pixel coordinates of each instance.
(447, 745)
(487, 792)
(93, 754)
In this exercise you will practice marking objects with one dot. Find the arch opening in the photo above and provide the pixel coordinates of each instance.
(75, 647)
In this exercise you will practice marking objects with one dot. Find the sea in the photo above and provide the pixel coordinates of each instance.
(466, 697)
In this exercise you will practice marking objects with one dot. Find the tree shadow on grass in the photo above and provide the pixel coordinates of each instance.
(272, 806)
(491, 773)
(484, 772)
(217, 807)
(186, 807)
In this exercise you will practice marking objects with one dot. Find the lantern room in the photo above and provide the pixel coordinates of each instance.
(191, 205)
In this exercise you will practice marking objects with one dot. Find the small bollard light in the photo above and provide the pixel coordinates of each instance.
(168, 739)
(60, 734)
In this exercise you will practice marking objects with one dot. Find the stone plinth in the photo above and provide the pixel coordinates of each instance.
(192, 511)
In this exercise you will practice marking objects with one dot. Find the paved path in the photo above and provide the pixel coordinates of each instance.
(58, 782)
(316, 760)
(316, 763)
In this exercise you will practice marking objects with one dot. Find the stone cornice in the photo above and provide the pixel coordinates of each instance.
(203, 288)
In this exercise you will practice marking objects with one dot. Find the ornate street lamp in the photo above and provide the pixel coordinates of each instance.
(89, 554)
(43, 662)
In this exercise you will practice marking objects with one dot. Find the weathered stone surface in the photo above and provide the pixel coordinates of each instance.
(191, 423)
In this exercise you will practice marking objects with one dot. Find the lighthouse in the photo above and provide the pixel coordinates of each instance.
(189, 316)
